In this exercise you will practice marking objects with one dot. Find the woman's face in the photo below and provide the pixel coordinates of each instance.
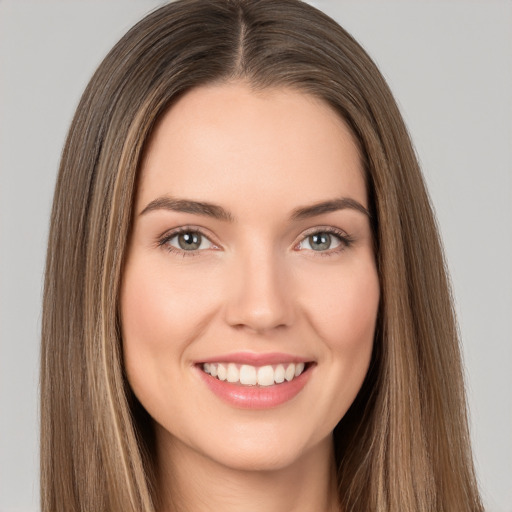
(250, 291)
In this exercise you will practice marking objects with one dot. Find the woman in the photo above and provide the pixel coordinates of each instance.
(297, 351)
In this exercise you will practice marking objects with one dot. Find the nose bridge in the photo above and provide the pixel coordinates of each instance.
(259, 298)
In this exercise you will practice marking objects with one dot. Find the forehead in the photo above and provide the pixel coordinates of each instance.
(223, 140)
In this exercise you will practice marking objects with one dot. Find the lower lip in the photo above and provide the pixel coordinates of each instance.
(256, 397)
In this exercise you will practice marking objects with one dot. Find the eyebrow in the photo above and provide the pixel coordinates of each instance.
(217, 212)
(188, 206)
(333, 205)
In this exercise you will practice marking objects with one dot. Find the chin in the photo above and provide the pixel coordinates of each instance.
(258, 459)
(265, 452)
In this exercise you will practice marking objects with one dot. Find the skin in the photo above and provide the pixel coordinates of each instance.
(256, 284)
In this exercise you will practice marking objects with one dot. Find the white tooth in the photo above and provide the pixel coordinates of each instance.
(289, 372)
(299, 368)
(206, 367)
(233, 375)
(213, 369)
(266, 376)
(279, 374)
(247, 375)
(221, 372)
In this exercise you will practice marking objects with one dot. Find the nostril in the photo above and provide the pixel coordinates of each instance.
(242, 316)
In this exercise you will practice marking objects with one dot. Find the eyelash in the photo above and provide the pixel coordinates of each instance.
(345, 240)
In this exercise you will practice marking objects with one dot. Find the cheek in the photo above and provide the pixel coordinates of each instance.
(161, 312)
(159, 308)
(344, 307)
(340, 306)
(344, 316)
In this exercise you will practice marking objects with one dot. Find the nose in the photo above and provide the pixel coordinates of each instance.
(260, 293)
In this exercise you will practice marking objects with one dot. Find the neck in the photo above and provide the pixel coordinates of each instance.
(189, 481)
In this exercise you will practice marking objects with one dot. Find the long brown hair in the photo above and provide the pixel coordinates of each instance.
(404, 443)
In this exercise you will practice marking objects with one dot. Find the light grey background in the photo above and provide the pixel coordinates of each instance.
(449, 64)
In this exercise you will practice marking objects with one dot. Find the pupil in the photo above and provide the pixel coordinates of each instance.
(189, 241)
(320, 241)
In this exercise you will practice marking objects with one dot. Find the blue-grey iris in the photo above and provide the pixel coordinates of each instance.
(189, 241)
(320, 241)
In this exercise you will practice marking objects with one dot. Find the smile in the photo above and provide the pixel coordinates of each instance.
(255, 382)
(248, 375)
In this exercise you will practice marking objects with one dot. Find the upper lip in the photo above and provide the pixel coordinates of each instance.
(255, 359)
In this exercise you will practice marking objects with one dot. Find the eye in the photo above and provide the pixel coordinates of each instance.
(320, 242)
(188, 241)
(325, 241)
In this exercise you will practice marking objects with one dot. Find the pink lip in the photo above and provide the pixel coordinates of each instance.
(256, 359)
(256, 397)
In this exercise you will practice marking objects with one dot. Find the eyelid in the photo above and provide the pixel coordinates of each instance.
(323, 229)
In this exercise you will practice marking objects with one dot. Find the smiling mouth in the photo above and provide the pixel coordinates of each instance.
(249, 375)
